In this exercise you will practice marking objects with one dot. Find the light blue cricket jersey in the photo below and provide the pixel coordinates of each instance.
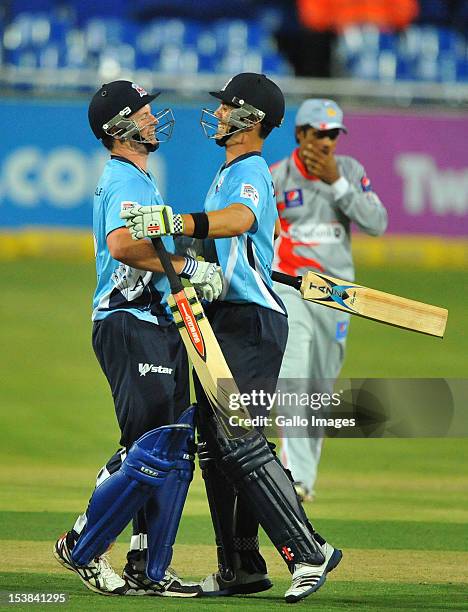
(246, 260)
(120, 287)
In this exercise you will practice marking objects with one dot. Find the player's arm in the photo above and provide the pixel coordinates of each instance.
(356, 199)
(140, 255)
(206, 277)
(234, 220)
(350, 187)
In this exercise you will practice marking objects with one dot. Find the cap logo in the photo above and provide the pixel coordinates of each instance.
(226, 84)
(140, 90)
(331, 112)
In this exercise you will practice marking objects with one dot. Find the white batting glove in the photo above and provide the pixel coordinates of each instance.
(206, 277)
(150, 221)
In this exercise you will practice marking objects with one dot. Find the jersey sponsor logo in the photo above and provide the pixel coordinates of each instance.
(317, 233)
(146, 368)
(341, 330)
(366, 184)
(125, 205)
(250, 192)
(293, 198)
(140, 90)
(287, 259)
(190, 324)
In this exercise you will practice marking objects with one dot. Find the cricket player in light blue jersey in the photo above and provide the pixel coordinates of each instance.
(142, 356)
(246, 484)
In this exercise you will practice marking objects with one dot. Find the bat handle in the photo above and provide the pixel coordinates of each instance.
(286, 279)
(165, 259)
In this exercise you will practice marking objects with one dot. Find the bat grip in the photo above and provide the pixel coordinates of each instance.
(165, 259)
(286, 279)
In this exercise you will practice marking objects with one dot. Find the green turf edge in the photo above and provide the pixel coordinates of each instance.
(391, 535)
(336, 595)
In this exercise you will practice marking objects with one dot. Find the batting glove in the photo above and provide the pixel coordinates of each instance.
(206, 278)
(151, 221)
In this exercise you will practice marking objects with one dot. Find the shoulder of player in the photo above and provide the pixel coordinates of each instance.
(350, 167)
(129, 188)
(252, 170)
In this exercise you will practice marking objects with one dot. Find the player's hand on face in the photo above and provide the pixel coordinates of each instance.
(320, 163)
(207, 280)
(148, 221)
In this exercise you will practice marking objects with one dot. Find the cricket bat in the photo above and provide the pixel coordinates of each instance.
(368, 303)
(203, 349)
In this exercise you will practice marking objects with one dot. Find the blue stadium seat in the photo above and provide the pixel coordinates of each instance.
(422, 52)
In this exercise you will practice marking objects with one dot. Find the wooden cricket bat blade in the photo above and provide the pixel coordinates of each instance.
(368, 303)
(204, 351)
(207, 358)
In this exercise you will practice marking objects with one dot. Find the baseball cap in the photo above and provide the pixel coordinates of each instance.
(258, 91)
(111, 99)
(321, 114)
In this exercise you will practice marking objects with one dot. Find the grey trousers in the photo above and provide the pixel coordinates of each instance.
(312, 361)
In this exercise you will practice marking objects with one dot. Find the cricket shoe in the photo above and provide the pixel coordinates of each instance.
(307, 578)
(243, 583)
(170, 586)
(249, 576)
(98, 575)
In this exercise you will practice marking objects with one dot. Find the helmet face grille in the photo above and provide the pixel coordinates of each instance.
(126, 129)
(246, 116)
(256, 90)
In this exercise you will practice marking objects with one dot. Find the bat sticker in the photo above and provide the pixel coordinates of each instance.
(334, 292)
(191, 325)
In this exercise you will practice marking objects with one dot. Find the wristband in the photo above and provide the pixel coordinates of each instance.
(202, 225)
(178, 225)
(189, 268)
(340, 187)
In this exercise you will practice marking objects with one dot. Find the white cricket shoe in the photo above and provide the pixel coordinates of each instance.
(170, 586)
(307, 578)
(98, 575)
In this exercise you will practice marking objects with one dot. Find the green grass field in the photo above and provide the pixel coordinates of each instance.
(397, 507)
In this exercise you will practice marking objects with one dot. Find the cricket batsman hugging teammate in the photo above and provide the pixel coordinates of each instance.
(147, 480)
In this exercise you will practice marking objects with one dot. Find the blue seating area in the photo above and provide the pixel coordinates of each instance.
(114, 38)
(61, 38)
(420, 53)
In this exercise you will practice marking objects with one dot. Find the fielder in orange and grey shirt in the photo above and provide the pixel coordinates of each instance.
(319, 195)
